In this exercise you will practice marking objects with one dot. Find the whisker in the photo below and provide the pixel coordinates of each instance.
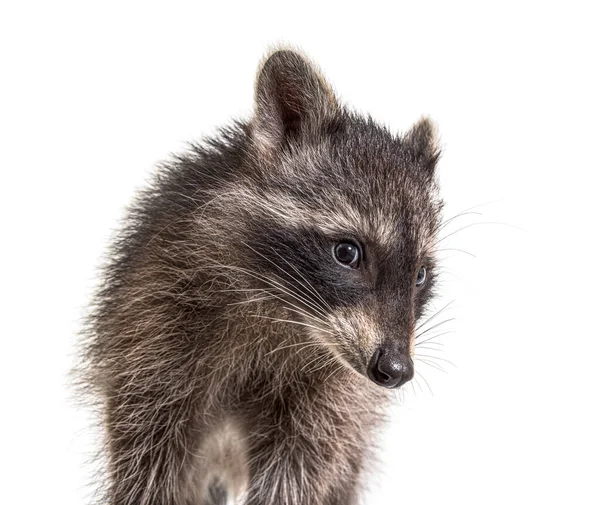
(339, 368)
(434, 315)
(308, 285)
(457, 250)
(303, 344)
(474, 224)
(430, 348)
(279, 286)
(431, 339)
(461, 214)
(427, 383)
(465, 212)
(295, 309)
(307, 365)
(432, 365)
(436, 358)
(250, 300)
(291, 321)
(416, 380)
(433, 327)
(303, 313)
(297, 344)
(331, 360)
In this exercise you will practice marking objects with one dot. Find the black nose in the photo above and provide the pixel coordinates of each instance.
(390, 369)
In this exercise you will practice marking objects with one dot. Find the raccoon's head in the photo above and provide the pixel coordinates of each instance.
(341, 217)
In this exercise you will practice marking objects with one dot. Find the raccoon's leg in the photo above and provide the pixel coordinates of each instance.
(161, 455)
(346, 487)
(150, 441)
(293, 473)
(300, 471)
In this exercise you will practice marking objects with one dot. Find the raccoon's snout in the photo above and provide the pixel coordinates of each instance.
(389, 368)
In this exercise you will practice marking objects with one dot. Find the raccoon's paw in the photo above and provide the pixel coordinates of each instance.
(218, 493)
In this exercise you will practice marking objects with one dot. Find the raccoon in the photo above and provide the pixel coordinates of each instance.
(259, 303)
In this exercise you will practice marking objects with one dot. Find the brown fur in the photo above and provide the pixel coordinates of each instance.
(224, 361)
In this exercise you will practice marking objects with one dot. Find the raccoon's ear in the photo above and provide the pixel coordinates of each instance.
(423, 140)
(290, 94)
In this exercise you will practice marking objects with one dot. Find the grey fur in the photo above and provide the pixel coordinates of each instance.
(226, 348)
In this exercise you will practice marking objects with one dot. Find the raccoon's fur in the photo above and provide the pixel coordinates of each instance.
(230, 341)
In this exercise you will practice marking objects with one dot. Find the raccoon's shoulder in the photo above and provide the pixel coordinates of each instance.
(160, 213)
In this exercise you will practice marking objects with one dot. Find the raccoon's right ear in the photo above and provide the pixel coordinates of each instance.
(290, 95)
(423, 140)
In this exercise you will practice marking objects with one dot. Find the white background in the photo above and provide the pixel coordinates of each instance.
(93, 94)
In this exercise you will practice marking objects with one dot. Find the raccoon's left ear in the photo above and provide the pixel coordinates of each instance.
(423, 140)
(290, 96)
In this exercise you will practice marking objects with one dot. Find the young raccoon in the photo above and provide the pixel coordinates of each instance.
(260, 303)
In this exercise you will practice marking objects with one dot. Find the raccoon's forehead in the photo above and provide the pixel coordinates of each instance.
(339, 210)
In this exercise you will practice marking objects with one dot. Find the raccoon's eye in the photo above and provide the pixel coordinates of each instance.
(347, 254)
(421, 276)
